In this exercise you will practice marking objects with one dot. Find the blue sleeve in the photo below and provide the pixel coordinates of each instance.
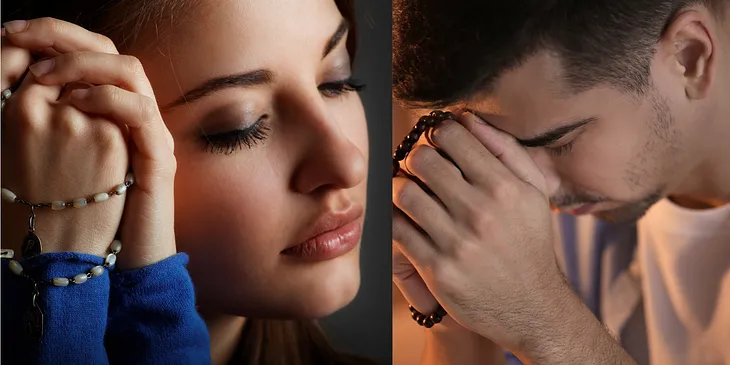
(75, 316)
(153, 319)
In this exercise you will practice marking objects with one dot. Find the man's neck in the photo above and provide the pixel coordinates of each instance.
(708, 184)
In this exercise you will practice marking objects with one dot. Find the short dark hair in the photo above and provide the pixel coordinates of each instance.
(447, 51)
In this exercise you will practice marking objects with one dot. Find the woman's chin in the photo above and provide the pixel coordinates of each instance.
(327, 296)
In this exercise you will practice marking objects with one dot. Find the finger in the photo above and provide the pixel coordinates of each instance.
(30, 93)
(408, 280)
(439, 175)
(15, 62)
(137, 112)
(413, 241)
(479, 166)
(95, 68)
(59, 35)
(424, 211)
(506, 148)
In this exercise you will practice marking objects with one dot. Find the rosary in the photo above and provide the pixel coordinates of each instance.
(425, 124)
(32, 247)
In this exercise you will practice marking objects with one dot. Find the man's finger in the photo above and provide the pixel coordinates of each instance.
(410, 283)
(506, 149)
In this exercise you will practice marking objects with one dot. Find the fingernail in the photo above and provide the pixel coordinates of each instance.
(3, 32)
(41, 68)
(15, 26)
(79, 93)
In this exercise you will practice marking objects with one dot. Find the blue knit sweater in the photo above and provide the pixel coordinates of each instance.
(143, 316)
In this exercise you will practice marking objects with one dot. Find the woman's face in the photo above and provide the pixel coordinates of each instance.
(271, 145)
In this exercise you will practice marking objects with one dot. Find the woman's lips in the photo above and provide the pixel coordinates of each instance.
(328, 245)
(331, 236)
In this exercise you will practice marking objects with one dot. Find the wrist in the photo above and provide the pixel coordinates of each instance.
(567, 332)
(450, 343)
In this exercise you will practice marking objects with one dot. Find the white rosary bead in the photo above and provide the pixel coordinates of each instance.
(80, 279)
(58, 205)
(129, 179)
(15, 267)
(60, 281)
(110, 260)
(97, 270)
(120, 189)
(7, 253)
(101, 197)
(80, 203)
(8, 195)
(116, 246)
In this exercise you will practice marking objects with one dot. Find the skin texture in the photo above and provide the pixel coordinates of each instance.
(236, 209)
(314, 159)
(481, 243)
(640, 148)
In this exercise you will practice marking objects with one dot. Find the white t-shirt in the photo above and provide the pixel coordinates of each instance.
(684, 273)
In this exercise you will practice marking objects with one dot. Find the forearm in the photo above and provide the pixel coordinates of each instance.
(571, 335)
(448, 343)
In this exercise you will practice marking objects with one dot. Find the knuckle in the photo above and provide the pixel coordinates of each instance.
(108, 93)
(405, 193)
(444, 273)
(106, 44)
(420, 158)
(480, 219)
(147, 107)
(50, 25)
(24, 114)
(132, 65)
(71, 122)
(445, 132)
(108, 134)
(399, 228)
(73, 60)
(505, 190)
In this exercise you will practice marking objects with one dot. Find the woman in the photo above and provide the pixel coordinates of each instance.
(269, 165)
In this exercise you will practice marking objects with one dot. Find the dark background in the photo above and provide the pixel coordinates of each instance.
(364, 327)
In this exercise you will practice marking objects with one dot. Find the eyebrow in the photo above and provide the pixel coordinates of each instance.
(336, 38)
(548, 137)
(249, 79)
(553, 135)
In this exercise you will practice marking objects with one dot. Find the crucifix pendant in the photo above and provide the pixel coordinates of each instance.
(31, 244)
(34, 317)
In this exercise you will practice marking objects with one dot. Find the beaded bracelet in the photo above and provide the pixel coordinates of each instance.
(428, 320)
(425, 124)
(34, 316)
(32, 243)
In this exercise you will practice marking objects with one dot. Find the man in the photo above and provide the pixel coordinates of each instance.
(616, 110)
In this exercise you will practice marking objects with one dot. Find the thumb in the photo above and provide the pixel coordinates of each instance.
(506, 148)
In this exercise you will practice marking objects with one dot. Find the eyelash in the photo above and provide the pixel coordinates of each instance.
(562, 150)
(228, 142)
(338, 88)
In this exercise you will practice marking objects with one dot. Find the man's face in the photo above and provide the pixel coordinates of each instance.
(617, 154)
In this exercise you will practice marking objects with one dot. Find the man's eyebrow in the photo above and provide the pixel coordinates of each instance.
(553, 135)
(548, 137)
(248, 79)
(336, 37)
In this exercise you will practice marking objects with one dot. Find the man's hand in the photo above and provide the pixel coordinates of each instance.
(477, 229)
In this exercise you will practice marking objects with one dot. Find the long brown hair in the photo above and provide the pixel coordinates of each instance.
(263, 341)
